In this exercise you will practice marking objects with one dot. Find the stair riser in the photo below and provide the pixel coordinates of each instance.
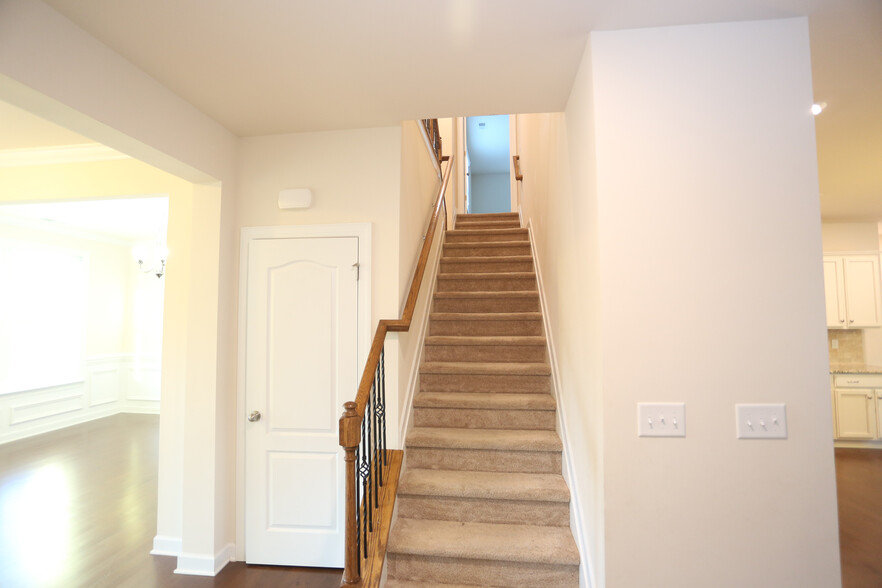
(472, 572)
(484, 383)
(476, 510)
(498, 250)
(481, 328)
(486, 353)
(446, 284)
(502, 224)
(484, 216)
(473, 418)
(484, 460)
(486, 304)
(489, 236)
(486, 267)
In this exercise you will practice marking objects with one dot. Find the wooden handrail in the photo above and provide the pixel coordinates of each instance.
(516, 159)
(351, 422)
(402, 324)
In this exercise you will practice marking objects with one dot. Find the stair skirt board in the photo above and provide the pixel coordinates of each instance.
(483, 501)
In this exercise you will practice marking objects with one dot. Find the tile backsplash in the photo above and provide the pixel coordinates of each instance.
(851, 346)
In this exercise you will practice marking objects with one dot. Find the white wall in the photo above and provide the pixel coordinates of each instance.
(709, 226)
(490, 193)
(559, 204)
(116, 376)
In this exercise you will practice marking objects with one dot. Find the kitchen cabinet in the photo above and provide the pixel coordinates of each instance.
(858, 406)
(852, 291)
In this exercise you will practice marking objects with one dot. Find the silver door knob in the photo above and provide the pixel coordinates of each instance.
(254, 416)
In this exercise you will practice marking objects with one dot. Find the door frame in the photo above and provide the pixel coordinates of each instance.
(361, 231)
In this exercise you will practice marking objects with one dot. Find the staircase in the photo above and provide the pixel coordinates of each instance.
(483, 502)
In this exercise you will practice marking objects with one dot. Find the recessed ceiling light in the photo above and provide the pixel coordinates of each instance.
(818, 108)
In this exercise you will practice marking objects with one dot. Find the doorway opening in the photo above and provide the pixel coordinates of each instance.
(488, 174)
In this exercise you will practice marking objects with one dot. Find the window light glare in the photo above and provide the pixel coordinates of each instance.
(818, 108)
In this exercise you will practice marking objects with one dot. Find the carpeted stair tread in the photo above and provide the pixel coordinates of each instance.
(477, 232)
(393, 583)
(490, 224)
(488, 259)
(499, 368)
(484, 541)
(486, 316)
(485, 400)
(490, 294)
(489, 340)
(485, 485)
(486, 244)
(487, 276)
(496, 439)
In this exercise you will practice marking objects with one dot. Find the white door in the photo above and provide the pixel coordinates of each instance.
(300, 367)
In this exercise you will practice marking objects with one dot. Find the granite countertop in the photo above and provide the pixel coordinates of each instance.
(855, 368)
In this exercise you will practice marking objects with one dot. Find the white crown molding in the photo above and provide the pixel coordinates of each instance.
(82, 153)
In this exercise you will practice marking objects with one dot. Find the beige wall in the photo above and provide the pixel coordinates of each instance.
(709, 225)
(354, 177)
(850, 237)
(419, 189)
(559, 203)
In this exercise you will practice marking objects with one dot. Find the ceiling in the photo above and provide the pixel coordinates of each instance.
(269, 67)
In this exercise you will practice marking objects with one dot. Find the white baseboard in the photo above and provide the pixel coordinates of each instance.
(165, 545)
(568, 466)
(146, 409)
(192, 564)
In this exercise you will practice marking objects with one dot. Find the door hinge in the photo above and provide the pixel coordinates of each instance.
(357, 267)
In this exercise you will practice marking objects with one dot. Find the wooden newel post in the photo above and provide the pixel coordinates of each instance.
(349, 440)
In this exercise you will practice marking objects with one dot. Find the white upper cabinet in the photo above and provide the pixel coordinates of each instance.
(852, 291)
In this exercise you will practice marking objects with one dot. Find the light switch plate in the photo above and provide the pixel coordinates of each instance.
(661, 419)
(761, 421)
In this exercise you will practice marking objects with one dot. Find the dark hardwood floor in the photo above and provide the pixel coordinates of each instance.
(78, 509)
(859, 486)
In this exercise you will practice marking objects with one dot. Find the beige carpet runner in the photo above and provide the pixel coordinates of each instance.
(482, 501)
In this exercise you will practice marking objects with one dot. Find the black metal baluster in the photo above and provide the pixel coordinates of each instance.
(377, 464)
(362, 504)
(382, 407)
(370, 466)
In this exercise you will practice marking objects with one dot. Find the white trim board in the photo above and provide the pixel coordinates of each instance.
(568, 467)
(413, 379)
(193, 564)
(165, 545)
(362, 231)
